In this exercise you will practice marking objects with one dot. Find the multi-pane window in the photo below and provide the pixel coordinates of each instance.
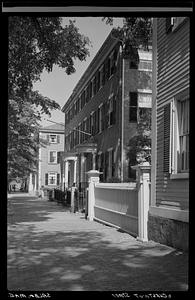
(52, 178)
(145, 65)
(52, 157)
(133, 106)
(182, 135)
(176, 135)
(53, 138)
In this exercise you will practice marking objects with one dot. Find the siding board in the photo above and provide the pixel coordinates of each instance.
(172, 77)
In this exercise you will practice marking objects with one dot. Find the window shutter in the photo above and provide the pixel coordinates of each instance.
(58, 139)
(46, 179)
(58, 157)
(166, 137)
(48, 137)
(58, 179)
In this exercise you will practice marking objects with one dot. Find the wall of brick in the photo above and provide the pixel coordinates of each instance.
(45, 166)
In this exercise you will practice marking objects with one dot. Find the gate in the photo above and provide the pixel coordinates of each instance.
(80, 197)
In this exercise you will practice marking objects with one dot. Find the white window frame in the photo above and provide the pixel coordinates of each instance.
(52, 174)
(50, 140)
(55, 162)
(174, 140)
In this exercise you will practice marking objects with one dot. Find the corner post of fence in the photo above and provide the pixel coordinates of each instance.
(93, 178)
(143, 181)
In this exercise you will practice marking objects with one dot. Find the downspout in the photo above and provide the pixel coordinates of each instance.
(122, 114)
(154, 118)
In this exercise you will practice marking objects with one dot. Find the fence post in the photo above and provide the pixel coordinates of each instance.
(93, 178)
(143, 179)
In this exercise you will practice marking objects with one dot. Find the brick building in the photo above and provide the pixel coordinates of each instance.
(49, 170)
(102, 113)
(169, 211)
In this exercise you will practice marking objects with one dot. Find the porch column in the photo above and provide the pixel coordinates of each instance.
(75, 171)
(66, 174)
(30, 185)
(82, 167)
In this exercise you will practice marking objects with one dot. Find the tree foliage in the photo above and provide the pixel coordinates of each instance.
(140, 144)
(134, 34)
(35, 44)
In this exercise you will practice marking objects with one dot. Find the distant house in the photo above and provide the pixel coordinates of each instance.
(102, 114)
(49, 170)
(169, 211)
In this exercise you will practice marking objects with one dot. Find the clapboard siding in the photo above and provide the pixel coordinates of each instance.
(172, 77)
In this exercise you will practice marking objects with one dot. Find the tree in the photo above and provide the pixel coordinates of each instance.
(135, 33)
(35, 44)
(140, 144)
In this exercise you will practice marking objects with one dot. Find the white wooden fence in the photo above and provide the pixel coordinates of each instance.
(123, 205)
(117, 204)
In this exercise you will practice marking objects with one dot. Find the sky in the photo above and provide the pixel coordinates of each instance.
(57, 85)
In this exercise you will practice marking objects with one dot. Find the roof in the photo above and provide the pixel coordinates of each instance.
(53, 128)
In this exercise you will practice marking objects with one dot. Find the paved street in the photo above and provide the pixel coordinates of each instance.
(51, 249)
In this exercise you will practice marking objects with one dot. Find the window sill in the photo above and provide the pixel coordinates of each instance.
(179, 176)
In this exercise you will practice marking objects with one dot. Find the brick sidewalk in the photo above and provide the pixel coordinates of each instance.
(51, 249)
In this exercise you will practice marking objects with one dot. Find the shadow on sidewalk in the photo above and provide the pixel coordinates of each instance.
(66, 260)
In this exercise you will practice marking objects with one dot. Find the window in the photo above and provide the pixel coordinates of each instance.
(176, 136)
(52, 178)
(145, 65)
(53, 157)
(111, 110)
(133, 107)
(111, 163)
(100, 117)
(180, 152)
(53, 138)
(133, 65)
(92, 123)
